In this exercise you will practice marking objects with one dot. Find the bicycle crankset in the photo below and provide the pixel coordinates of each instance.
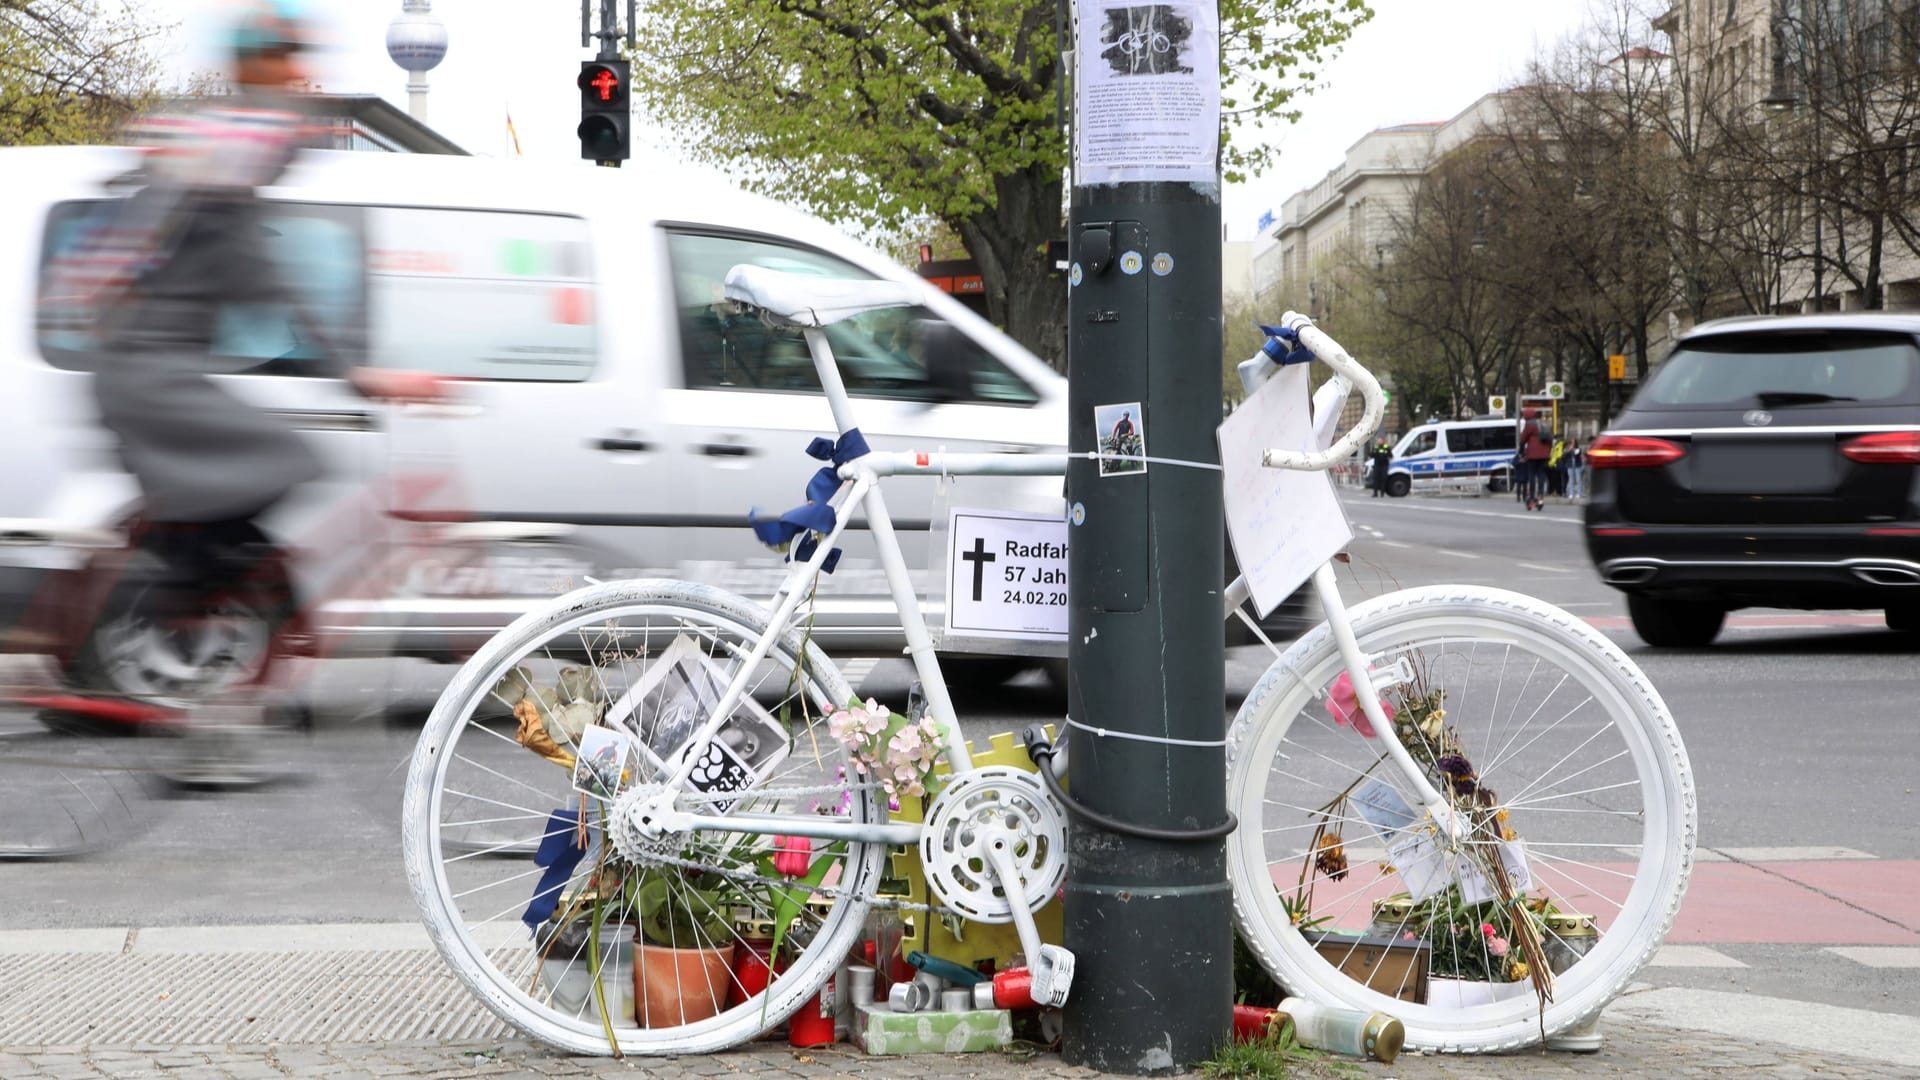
(994, 849)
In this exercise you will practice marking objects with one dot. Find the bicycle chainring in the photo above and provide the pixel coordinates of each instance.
(966, 814)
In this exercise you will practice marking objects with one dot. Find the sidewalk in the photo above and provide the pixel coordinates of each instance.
(246, 1003)
(1632, 1050)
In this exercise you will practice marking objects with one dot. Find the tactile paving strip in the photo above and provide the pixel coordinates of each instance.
(171, 999)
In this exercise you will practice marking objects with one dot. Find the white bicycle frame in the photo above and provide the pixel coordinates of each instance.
(860, 487)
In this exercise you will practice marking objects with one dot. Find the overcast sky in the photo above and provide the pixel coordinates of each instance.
(1417, 60)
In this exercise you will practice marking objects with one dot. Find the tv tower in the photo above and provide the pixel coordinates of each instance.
(417, 42)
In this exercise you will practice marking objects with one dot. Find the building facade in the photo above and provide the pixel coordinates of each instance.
(1350, 212)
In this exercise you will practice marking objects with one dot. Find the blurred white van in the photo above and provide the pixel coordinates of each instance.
(619, 422)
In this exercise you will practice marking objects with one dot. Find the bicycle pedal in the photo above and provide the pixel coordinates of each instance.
(1052, 976)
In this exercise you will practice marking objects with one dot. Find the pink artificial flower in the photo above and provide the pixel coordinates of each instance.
(1497, 946)
(1345, 707)
(906, 745)
(843, 722)
(876, 718)
(791, 854)
(931, 746)
(1486, 928)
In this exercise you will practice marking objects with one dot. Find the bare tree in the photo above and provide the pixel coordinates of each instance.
(1450, 281)
(72, 70)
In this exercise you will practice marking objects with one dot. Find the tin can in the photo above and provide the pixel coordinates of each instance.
(1392, 916)
(1565, 937)
(753, 961)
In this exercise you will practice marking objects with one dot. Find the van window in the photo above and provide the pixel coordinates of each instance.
(317, 249)
(482, 294)
(725, 349)
(1422, 443)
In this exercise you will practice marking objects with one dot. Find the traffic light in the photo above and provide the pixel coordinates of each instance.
(604, 114)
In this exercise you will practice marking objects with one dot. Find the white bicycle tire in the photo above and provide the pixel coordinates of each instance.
(466, 957)
(1636, 710)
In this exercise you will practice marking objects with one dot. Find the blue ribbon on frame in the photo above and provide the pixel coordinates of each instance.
(1283, 346)
(814, 518)
(558, 853)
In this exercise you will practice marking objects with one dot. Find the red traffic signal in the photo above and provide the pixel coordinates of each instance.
(604, 114)
(603, 84)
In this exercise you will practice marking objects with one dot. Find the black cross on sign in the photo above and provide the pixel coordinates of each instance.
(979, 557)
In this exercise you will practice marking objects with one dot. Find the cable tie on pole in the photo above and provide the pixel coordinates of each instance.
(1071, 722)
(1095, 455)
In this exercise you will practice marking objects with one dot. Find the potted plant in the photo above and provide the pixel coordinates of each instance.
(683, 962)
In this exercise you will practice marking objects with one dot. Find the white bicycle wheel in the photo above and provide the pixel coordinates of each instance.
(644, 657)
(1574, 771)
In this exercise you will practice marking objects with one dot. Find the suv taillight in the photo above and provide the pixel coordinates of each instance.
(1884, 448)
(1632, 451)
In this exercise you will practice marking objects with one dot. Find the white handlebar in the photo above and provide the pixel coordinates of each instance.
(1320, 345)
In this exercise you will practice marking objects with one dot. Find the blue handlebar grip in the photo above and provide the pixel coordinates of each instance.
(1283, 345)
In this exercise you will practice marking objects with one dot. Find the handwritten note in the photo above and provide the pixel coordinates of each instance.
(1284, 524)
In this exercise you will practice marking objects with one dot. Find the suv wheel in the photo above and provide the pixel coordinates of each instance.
(1399, 484)
(1904, 618)
(1673, 623)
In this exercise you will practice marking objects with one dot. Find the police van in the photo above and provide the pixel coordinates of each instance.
(1453, 453)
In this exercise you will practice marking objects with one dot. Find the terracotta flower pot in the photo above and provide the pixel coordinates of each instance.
(679, 986)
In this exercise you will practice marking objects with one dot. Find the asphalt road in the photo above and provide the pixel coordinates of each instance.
(1799, 730)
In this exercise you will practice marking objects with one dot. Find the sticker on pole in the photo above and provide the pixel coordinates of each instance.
(1007, 575)
(1122, 430)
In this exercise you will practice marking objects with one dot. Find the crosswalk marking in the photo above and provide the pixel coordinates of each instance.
(1815, 853)
(1881, 1037)
(1457, 554)
(1811, 853)
(856, 671)
(1692, 956)
(1881, 956)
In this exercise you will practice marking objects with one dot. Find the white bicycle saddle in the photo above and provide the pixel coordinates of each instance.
(804, 300)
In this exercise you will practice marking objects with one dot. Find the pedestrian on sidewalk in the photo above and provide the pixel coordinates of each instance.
(1577, 471)
(1382, 461)
(1557, 468)
(1534, 452)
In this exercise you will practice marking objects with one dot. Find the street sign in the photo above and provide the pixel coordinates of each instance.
(1555, 390)
(1497, 404)
(1616, 367)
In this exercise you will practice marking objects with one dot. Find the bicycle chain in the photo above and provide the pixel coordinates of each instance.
(876, 901)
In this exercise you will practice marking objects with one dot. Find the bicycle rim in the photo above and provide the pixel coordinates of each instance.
(1562, 754)
(478, 798)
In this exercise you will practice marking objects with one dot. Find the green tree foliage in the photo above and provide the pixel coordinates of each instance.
(879, 113)
(71, 71)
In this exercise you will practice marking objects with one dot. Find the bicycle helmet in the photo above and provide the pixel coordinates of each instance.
(265, 26)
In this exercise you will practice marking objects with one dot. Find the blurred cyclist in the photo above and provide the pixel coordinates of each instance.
(180, 252)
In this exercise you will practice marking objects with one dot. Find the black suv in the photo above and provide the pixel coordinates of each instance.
(1770, 461)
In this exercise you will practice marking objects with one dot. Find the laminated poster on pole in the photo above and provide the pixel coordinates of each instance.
(1284, 523)
(1147, 92)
